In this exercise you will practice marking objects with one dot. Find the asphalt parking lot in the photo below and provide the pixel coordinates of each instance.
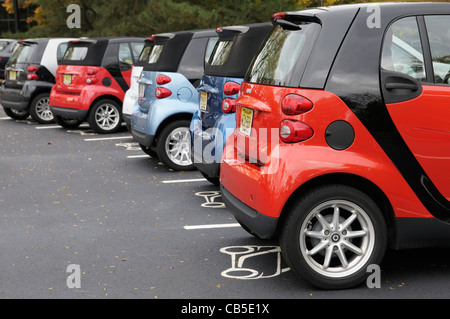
(137, 229)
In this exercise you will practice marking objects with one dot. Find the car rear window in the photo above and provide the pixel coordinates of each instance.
(23, 53)
(221, 52)
(282, 58)
(85, 52)
(75, 53)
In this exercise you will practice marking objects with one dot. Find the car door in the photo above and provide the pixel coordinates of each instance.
(415, 72)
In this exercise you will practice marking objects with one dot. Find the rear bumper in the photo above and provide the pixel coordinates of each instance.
(69, 112)
(142, 138)
(257, 223)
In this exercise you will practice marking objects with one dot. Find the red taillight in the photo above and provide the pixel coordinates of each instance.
(92, 71)
(231, 88)
(91, 81)
(162, 93)
(219, 30)
(32, 68)
(294, 131)
(294, 104)
(279, 15)
(32, 76)
(229, 105)
(163, 79)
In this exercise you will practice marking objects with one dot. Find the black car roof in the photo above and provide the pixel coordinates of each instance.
(175, 44)
(247, 40)
(97, 48)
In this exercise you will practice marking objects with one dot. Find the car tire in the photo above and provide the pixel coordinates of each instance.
(68, 123)
(40, 109)
(16, 114)
(332, 235)
(105, 116)
(174, 146)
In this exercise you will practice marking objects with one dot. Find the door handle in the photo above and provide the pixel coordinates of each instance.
(403, 86)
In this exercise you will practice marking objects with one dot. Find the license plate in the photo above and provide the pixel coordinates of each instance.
(203, 100)
(12, 75)
(67, 79)
(246, 121)
(141, 90)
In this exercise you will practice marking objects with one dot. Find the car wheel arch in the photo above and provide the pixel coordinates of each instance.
(172, 118)
(351, 180)
(106, 97)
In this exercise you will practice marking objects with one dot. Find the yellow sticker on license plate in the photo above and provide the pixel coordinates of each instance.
(12, 75)
(246, 121)
(67, 79)
(203, 100)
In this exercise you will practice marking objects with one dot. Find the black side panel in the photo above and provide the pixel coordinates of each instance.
(355, 78)
(111, 63)
(171, 54)
(245, 46)
(422, 232)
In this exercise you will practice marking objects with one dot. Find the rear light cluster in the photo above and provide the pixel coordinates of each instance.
(91, 78)
(162, 92)
(292, 131)
(31, 75)
(229, 104)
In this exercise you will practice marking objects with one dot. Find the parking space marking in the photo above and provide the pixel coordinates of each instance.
(185, 180)
(211, 226)
(138, 156)
(47, 127)
(5, 118)
(108, 138)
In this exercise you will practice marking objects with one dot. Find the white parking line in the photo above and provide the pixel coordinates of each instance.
(185, 180)
(211, 226)
(137, 156)
(47, 127)
(107, 138)
(5, 118)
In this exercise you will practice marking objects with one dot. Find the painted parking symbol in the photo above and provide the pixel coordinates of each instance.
(246, 262)
(211, 199)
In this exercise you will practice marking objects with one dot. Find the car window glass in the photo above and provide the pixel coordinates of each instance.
(22, 54)
(125, 53)
(276, 62)
(402, 49)
(136, 49)
(221, 52)
(210, 47)
(3, 45)
(438, 28)
(61, 50)
(75, 53)
(155, 53)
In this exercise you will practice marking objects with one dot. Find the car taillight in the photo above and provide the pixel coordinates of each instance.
(92, 71)
(231, 88)
(32, 76)
(279, 15)
(294, 131)
(162, 79)
(91, 79)
(229, 105)
(162, 93)
(294, 104)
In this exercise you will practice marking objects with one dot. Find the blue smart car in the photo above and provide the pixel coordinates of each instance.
(215, 118)
(168, 97)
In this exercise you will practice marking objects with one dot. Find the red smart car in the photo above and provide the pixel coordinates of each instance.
(91, 82)
(342, 145)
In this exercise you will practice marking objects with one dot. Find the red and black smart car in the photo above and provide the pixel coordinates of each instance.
(91, 82)
(342, 146)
